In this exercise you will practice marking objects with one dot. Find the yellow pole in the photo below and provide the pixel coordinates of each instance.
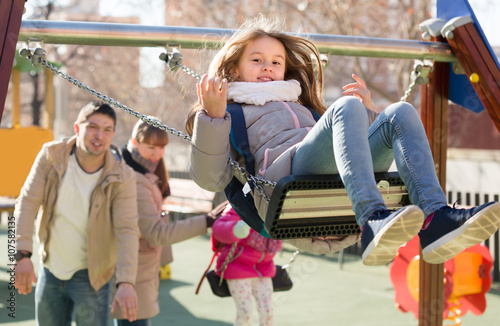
(16, 98)
(49, 100)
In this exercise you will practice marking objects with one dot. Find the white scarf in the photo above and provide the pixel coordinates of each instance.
(261, 93)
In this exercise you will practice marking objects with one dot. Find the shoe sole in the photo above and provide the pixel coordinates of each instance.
(385, 245)
(477, 229)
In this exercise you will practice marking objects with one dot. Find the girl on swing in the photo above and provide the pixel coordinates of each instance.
(274, 76)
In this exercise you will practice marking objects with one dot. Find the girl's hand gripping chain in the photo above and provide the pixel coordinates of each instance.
(212, 96)
(359, 90)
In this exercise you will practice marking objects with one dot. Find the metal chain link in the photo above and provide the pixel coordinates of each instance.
(174, 61)
(290, 262)
(189, 71)
(418, 76)
(257, 182)
(407, 93)
(113, 102)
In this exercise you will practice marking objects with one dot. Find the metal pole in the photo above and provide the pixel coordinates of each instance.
(112, 34)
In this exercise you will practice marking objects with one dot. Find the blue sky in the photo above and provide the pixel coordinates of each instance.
(488, 15)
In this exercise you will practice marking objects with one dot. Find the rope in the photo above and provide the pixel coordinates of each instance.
(229, 258)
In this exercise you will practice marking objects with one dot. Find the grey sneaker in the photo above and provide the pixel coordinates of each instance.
(453, 230)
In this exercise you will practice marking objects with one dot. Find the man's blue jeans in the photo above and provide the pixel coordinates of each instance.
(342, 142)
(58, 301)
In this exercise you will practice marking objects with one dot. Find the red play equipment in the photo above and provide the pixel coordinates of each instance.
(466, 280)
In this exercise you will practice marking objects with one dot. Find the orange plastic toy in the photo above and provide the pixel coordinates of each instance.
(467, 279)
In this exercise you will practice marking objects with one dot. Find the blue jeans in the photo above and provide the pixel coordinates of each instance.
(342, 142)
(58, 301)
(138, 322)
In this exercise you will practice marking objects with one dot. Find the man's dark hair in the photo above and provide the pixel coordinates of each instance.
(96, 107)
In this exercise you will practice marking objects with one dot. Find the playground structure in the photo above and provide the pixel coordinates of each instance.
(467, 280)
(476, 67)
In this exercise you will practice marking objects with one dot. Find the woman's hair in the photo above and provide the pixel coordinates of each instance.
(146, 133)
(302, 61)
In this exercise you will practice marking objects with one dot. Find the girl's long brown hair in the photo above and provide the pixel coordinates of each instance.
(302, 61)
(149, 134)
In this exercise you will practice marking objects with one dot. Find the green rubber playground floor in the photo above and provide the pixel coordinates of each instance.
(324, 293)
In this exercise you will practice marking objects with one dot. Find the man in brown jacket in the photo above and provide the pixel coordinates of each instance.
(87, 229)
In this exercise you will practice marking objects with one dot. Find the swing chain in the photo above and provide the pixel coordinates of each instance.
(257, 182)
(39, 57)
(418, 76)
(174, 61)
(35, 56)
(189, 71)
(292, 259)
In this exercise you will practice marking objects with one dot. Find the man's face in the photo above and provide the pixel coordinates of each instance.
(95, 134)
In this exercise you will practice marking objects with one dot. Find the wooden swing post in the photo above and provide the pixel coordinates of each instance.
(10, 23)
(434, 114)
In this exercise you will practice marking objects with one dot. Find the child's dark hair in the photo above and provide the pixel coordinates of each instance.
(93, 108)
(302, 58)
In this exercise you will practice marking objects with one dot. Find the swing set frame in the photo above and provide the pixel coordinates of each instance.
(473, 56)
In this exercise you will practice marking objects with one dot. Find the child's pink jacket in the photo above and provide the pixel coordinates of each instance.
(254, 254)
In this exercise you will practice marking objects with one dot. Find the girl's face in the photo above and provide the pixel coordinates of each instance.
(152, 153)
(262, 61)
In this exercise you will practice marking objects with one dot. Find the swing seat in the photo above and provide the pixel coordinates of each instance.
(305, 206)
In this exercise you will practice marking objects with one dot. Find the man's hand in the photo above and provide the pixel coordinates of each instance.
(127, 299)
(25, 276)
(212, 95)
